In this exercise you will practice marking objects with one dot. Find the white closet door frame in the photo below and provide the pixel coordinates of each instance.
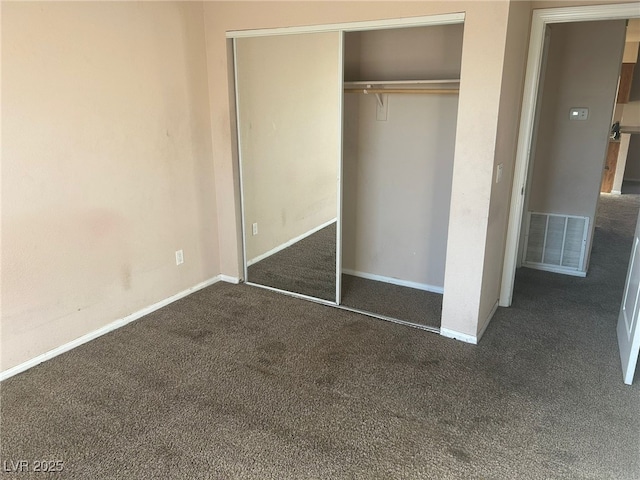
(444, 19)
(541, 18)
(339, 179)
(242, 201)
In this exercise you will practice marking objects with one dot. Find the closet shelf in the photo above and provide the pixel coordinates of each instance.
(403, 86)
(414, 87)
(449, 81)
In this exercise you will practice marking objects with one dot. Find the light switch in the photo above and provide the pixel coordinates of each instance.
(499, 173)
(580, 113)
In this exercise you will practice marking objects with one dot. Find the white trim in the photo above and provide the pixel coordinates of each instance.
(288, 243)
(229, 279)
(106, 329)
(339, 176)
(616, 192)
(444, 19)
(389, 319)
(554, 269)
(395, 281)
(294, 294)
(587, 13)
(463, 337)
(541, 18)
(239, 136)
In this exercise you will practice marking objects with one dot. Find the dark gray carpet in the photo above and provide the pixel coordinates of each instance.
(631, 187)
(235, 382)
(307, 267)
(402, 303)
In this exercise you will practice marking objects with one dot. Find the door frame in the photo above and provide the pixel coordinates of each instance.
(540, 19)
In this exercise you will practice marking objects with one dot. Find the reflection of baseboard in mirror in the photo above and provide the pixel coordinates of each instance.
(289, 243)
(306, 266)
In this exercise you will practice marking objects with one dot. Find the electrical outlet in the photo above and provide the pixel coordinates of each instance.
(179, 257)
(255, 228)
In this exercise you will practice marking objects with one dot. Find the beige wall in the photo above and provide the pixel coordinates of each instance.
(506, 144)
(631, 117)
(397, 173)
(483, 57)
(632, 168)
(630, 54)
(569, 154)
(535, 4)
(404, 53)
(106, 166)
(289, 108)
(397, 189)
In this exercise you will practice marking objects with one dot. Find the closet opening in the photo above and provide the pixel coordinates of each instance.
(399, 123)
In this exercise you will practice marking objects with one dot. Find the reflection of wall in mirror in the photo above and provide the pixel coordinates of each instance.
(288, 91)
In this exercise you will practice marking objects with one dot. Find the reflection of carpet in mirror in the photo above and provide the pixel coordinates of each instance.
(307, 267)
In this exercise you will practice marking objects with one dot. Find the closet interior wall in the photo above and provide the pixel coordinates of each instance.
(397, 172)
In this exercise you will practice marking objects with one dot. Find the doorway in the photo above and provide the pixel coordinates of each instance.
(542, 19)
(559, 171)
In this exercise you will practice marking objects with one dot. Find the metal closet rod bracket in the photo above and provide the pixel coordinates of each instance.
(377, 94)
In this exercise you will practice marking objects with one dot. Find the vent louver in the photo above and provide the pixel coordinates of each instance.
(555, 242)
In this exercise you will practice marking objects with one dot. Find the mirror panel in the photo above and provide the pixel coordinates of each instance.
(289, 107)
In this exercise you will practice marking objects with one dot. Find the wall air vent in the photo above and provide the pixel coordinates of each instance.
(556, 243)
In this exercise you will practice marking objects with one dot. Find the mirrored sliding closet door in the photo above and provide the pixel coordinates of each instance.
(288, 90)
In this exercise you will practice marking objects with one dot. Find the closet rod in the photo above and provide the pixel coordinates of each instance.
(402, 90)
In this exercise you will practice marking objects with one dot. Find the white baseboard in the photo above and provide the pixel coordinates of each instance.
(463, 337)
(616, 192)
(289, 242)
(551, 268)
(110, 327)
(395, 281)
(229, 279)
